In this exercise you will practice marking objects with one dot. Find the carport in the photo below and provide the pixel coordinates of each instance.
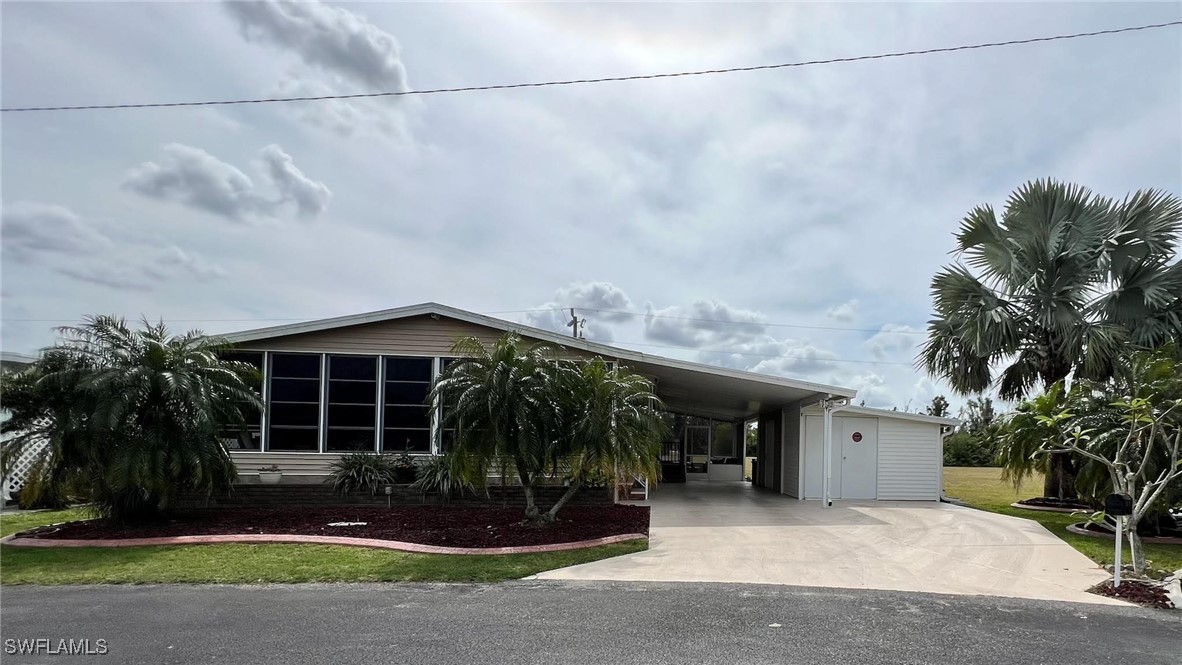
(707, 408)
(813, 442)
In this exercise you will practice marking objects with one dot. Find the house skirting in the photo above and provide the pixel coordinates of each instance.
(305, 494)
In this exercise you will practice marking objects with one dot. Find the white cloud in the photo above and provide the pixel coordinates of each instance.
(145, 269)
(56, 238)
(309, 196)
(846, 312)
(343, 117)
(331, 38)
(29, 230)
(782, 357)
(194, 178)
(704, 323)
(586, 296)
(894, 341)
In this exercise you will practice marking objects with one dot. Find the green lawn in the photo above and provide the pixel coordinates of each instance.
(247, 564)
(983, 488)
(10, 523)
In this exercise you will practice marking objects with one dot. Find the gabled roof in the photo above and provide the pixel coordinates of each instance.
(659, 364)
(899, 415)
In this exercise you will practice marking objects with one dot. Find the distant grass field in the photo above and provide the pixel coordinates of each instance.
(983, 488)
(258, 564)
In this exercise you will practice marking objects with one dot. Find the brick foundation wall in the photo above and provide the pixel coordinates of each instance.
(305, 494)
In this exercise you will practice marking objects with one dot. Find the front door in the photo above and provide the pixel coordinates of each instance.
(859, 458)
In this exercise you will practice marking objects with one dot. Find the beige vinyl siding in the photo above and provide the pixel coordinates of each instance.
(909, 460)
(412, 336)
(791, 484)
(291, 464)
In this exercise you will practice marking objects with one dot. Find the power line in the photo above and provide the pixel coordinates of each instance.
(746, 323)
(607, 79)
(545, 309)
(766, 355)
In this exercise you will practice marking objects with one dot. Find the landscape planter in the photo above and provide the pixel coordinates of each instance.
(270, 477)
(1080, 528)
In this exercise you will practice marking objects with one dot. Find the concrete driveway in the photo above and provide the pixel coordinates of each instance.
(731, 532)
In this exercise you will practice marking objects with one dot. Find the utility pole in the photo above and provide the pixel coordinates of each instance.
(576, 324)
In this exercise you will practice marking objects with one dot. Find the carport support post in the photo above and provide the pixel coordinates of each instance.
(828, 406)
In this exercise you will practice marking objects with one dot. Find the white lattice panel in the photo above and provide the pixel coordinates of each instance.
(20, 469)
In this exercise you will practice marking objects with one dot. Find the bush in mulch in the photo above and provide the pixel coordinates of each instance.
(1052, 502)
(427, 525)
(1146, 594)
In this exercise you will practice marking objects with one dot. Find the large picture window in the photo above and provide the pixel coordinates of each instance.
(406, 417)
(352, 403)
(293, 418)
(247, 435)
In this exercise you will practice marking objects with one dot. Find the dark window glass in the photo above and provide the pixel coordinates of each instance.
(346, 440)
(363, 368)
(293, 415)
(285, 438)
(414, 440)
(285, 414)
(348, 415)
(352, 403)
(295, 365)
(408, 416)
(295, 390)
(352, 392)
(406, 393)
(408, 369)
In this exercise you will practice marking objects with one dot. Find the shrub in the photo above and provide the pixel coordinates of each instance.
(967, 449)
(357, 472)
(437, 476)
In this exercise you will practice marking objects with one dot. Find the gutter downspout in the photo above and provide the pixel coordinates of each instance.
(943, 435)
(830, 406)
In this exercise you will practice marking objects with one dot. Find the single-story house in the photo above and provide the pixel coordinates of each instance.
(359, 382)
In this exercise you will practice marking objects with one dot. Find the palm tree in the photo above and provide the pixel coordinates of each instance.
(611, 425)
(500, 403)
(137, 414)
(518, 405)
(1066, 283)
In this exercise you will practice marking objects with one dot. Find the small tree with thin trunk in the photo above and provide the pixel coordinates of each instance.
(1133, 464)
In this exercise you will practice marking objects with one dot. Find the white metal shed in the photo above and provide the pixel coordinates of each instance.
(875, 454)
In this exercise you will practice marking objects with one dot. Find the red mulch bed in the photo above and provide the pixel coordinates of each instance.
(1134, 591)
(427, 525)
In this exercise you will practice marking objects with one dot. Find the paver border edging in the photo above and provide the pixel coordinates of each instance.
(297, 539)
(1154, 540)
(1048, 509)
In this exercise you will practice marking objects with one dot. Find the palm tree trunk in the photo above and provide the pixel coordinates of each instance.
(566, 496)
(1060, 479)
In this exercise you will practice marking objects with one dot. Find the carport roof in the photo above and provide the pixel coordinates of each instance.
(687, 387)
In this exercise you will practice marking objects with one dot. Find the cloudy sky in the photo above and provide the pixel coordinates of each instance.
(808, 208)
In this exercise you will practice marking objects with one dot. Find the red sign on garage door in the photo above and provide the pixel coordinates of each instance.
(857, 437)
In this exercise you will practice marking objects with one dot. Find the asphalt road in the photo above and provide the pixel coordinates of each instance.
(553, 622)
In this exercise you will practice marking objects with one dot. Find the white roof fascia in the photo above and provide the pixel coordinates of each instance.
(427, 309)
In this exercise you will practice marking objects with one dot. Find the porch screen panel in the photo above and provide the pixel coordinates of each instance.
(406, 416)
(247, 435)
(722, 443)
(293, 422)
(352, 403)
